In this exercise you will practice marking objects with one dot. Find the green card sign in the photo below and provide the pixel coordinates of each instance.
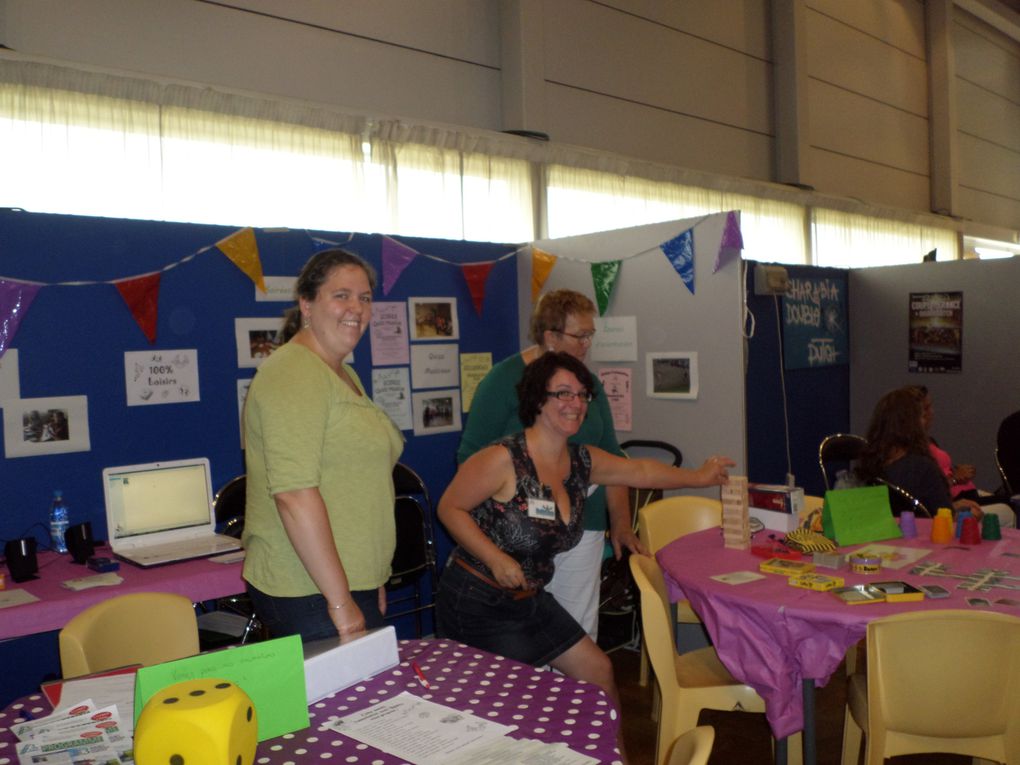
(272, 673)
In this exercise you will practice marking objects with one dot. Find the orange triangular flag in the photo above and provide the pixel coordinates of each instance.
(242, 250)
(141, 293)
(541, 265)
(475, 275)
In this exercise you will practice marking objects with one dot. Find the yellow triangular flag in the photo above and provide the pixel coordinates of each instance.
(541, 265)
(242, 250)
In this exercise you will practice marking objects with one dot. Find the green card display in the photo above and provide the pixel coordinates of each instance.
(856, 516)
(272, 673)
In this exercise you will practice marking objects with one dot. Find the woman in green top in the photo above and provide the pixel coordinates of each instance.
(564, 321)
(319, 528)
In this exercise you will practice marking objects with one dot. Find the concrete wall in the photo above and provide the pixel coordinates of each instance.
(684, 83)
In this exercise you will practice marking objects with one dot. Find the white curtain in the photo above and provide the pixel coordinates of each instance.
(848, 240)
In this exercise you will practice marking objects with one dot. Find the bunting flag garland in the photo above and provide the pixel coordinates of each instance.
(395, 258)
(541, 266)
(475, 275)
(243, 251)
(142, 297)
(680, 252)
(731, 244)
(604, 276)
(15, 299)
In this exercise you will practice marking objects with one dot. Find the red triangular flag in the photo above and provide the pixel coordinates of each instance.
(141, 293)
(475, 275)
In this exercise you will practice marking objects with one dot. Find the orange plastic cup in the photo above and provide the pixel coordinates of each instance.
(941, 529)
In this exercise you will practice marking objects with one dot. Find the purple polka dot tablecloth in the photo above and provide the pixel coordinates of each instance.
(542, 704)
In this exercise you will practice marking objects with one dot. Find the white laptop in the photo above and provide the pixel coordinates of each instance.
(162, 512)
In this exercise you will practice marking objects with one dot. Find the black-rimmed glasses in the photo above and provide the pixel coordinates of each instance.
(568, 395)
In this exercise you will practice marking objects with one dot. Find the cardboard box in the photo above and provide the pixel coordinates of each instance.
(775, 497)
(776, 521)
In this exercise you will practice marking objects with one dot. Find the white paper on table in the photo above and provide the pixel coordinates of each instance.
(419, 731)
(509, 751)
(10, 598)
(109, 579)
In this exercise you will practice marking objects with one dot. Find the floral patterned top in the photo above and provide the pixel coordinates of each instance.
(532, 541)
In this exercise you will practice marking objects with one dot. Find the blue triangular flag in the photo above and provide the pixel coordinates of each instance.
(680, 252)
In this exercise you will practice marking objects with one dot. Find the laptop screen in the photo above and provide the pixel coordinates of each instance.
(157, 497)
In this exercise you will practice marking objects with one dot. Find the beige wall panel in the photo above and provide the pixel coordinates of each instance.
(986, 57)
(988, 208)
(739, 24)
(859, 127)
(222, 47)
(857, 62)
(988, 116)
(464, 29)
(849, 177)
(899, 23)
(988, 167)
(586, 119)
(605, 51)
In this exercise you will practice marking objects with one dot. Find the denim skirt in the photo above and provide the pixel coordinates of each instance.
(533, 630)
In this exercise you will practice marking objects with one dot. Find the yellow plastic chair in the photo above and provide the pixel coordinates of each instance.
(693, 747)
(139, 628)
(688, 682)
(664, 520)
(937, 681)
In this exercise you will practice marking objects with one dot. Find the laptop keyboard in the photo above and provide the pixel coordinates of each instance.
(187, 548)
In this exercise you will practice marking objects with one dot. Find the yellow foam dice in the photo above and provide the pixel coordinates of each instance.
(197, 722)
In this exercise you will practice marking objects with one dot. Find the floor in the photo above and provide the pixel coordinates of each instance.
(741, 738)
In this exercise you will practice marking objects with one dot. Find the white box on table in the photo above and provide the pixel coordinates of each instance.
(331, 666)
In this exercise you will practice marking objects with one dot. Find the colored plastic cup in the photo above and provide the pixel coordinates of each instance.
(944, 512)
(960, 518)
(908, 524)
(941, 529)
(990, 526)
(970, 533)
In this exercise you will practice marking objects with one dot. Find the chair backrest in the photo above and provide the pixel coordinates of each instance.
(228, 506)
(406, 482)
(900, 499)
(693, 747)
(413, 553)
(137, 628)
(660, 450)
(660, 522)
(840, 448)
(947, 679)
(657, 625)
(1007, 453)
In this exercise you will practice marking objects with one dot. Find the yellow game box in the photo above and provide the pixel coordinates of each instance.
(786, 567)
(898, 592)
(820, 582)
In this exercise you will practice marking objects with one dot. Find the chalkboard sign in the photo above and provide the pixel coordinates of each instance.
(815, 322)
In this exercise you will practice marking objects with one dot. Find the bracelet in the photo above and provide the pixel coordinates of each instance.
(337, 608)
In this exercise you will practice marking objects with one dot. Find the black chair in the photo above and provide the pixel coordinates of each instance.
(900, 499)
(840, 448)
(1007, 453)
(414, 559)
(660, 450)
(233, 620)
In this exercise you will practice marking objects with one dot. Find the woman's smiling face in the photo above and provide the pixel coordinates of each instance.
(341, 311)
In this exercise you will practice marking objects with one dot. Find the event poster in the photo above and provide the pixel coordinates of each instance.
(815, 323)
(936, 332)
(391, 391)
(616, 382)
(161, 377)
(388, 331)
(473, 367)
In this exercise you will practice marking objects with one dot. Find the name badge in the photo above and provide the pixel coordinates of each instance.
(542, 509)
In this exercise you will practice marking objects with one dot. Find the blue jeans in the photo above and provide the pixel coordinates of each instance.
(308, 615)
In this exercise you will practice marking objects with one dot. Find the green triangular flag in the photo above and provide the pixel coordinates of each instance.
(604, 276)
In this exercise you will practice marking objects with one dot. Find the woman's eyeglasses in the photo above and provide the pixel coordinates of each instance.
(568, 395)
(584, 337)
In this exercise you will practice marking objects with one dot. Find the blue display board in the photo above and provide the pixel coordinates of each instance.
(815, 322)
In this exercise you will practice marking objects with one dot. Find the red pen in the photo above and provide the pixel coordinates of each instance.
(420, 674)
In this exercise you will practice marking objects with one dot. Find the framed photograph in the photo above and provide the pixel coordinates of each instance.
(256, 339)
(672, 375)
(34, 426)
(436, 411)
(433, 318)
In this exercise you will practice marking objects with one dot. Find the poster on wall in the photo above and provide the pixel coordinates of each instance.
(672, 375)
(255, 340)
(436, 411)
(161, 377)
(10, 377)
(389, 334)
(936, 332)
(36, 426)
(616, 382)
(473, 367)
(391, 392)
(815, 323)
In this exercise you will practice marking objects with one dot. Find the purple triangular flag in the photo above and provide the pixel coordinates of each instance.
(395, 258)
(680, 252)
(15, 298)
(731, 244)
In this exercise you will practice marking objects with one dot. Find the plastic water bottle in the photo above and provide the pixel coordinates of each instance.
(59, 520)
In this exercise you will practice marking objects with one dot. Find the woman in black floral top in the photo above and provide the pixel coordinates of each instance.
(514, 505)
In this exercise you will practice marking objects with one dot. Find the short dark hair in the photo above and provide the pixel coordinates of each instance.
(552, 310)
(531, 390)
(313, 275)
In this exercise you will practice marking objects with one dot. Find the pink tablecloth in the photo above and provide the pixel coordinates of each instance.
(773, 636)
(542, 704)
(197, 580)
